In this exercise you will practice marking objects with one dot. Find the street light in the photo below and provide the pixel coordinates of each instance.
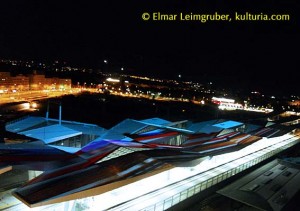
(105, 65)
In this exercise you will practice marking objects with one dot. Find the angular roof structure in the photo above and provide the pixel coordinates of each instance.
(111, 158)
(157, 121)
(205, 127)
(24, 123)
(52, 133)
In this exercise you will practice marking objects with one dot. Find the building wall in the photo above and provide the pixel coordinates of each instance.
(37, 82)
(20, 82)
(60, 83)
(65, 83)
(33, 82)
(4, 80)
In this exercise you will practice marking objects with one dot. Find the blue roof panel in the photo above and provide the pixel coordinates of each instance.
(228, 124)
(51, 133)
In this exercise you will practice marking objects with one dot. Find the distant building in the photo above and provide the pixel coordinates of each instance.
(226, 104)
(38, 82)
(61, 83)
(9, 83)
(19, 82)
(219, 100)
(4, 81)
(230, 106)
(35, 81)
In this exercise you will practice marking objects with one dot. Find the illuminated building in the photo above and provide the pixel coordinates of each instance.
(10, 83)
(37, 82)
(95, 167)
(19, 82)
(219, 100)
(4, 81)
(226, 104)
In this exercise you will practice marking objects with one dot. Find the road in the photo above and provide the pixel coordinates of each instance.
(34, 95)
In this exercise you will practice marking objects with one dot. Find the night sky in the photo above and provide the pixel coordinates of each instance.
(256, 54)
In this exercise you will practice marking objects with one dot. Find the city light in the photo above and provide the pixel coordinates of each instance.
(218, 100)
(33, 105)
(112, 80)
